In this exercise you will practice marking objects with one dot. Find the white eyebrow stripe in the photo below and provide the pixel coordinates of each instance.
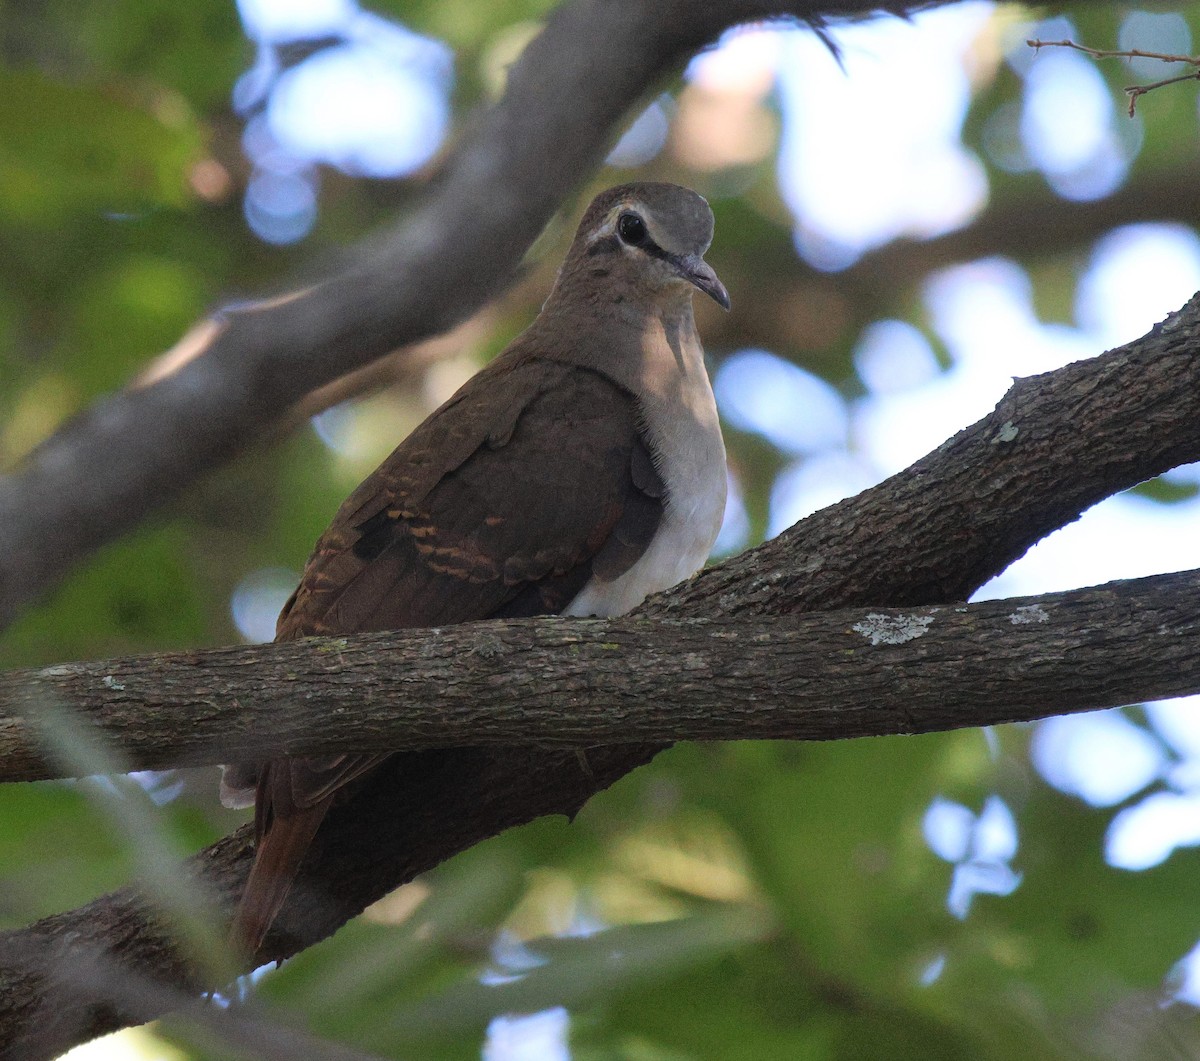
(602, 231)
(608, 226)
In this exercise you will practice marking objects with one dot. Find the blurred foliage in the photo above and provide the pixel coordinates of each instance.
(741, 901)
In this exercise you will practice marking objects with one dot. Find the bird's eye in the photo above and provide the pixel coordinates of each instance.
(632, 229)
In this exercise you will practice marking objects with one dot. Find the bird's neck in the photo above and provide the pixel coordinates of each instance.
(650, 348)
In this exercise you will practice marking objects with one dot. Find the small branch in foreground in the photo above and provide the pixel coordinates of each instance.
(88, 972)
(1132, 91)
(589, 683)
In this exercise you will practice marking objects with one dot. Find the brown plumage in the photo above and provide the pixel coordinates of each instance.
(578, 472)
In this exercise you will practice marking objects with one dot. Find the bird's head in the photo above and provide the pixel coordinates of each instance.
(649, 239)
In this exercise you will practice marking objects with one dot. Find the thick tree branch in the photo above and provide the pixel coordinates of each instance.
(588, 683)
(1056, 444)
(103, 472)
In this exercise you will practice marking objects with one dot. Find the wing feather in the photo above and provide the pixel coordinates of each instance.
(504, 503)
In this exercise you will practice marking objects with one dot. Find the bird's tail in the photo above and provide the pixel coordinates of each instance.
(276, 862)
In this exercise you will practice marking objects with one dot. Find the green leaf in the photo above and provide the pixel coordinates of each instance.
(139, 594)
(87, 150)
(1167, 490)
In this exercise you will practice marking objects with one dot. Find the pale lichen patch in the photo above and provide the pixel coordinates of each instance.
(332, 644)
(893, 629)
(1007, 433)
(1029, 613)
(110, 682)
(488, 647)
(59, 670)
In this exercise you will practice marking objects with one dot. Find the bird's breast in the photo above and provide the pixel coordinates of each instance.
(685, 437)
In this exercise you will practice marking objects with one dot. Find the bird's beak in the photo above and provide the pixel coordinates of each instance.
(697, 271)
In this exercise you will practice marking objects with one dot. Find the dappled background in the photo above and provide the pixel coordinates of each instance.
(901, 234)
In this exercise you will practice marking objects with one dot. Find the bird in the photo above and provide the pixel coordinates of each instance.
(579, 472)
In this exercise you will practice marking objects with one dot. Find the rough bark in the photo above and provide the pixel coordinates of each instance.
(1056, 444)
(567, 684)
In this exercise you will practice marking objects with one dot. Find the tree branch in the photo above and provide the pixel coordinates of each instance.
(588, 683)
(1056, 444)
(242, 369)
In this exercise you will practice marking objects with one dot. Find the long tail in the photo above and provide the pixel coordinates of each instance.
(276, 861)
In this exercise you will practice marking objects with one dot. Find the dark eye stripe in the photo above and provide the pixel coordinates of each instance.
(655, 251)
(609, 244)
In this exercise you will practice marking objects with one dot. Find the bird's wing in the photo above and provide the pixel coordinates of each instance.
(502, 503)
(505, 502)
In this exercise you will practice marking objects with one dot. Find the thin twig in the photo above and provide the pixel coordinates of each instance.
(1132, 91)
(1127, 53)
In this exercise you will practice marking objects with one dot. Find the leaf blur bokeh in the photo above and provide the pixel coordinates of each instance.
(900, 239)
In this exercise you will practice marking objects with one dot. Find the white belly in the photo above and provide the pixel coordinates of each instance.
(691, 462)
